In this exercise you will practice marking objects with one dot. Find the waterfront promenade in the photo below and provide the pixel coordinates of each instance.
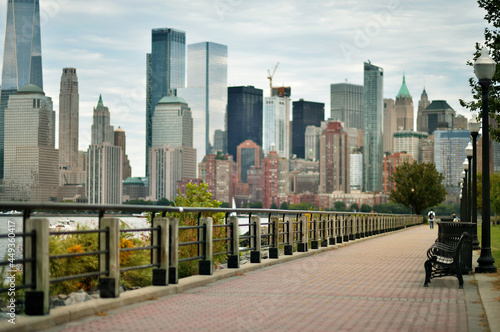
(373, 284)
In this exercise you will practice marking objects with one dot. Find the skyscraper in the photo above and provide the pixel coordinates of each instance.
(206, 92)
(276, 126)
(404, 108)
(31, 159)
(305, 113)
(422, 105)
(22, 60)
(244, 116)
(121, 141)
(165, 72)
(249, 154)
(390, 124)
(172, 154)
(104, 160)
(438, 115)
(346, 101)
(68, 120)
(334, 160)
(373, 105)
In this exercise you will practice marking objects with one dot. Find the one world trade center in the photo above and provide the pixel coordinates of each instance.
(22, 59)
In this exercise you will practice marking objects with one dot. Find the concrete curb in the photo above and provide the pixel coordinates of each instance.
(65, 314)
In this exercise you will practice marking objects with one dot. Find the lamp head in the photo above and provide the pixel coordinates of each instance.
(465, 165)
(474, 125)
(469, 150)
(485, 66)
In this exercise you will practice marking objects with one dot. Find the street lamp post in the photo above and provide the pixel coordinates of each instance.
(468, 153)
(484, 68)
(464, 218)
(474, 127)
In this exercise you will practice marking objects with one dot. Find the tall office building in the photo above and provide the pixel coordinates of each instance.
(449, 154)
(311, 147)
(305, 113)
(22, 58)
(165, 72)
(438, 115)
(276, 179)
(410, 142)
(31, 159)
(172, 123)
(276, 126)
(356, 171)
(68, 125)
(104, 174)
(104, 160)
(244, 116)
(422, 105)
(404, 108)
(206, 92)
(172, 154)
(121, 141)
(346, 104)
(101, 131)
(334, 160)
(373, 105)
(390, 125)
(249, 154)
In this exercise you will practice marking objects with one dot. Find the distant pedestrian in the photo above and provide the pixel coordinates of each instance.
(431, 216)
(455, 218)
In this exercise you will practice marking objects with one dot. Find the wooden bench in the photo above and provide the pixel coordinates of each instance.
(444, 260)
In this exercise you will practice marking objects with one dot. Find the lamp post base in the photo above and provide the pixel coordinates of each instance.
(485, 262)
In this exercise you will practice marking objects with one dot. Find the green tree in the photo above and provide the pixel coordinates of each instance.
(165, 201)
(284, 206)
(492, 41)
(273, 206)
(366, 208)
(494, 193)
(256, 205)
(303, 206)
(354, 207)
(339, 206)
(418, 186)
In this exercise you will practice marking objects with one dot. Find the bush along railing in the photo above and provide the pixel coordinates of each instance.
(171, 245)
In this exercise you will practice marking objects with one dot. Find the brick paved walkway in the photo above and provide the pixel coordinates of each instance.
(369, 285)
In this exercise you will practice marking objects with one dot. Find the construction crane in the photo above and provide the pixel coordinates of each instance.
(270, 77)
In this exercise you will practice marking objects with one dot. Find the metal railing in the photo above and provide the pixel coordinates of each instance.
(284, 232)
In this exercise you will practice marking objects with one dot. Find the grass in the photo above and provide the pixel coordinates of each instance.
(495, 242)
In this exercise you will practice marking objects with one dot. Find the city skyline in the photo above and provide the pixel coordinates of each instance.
(329, 46)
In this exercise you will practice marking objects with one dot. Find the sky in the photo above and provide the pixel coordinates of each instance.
(317, 43)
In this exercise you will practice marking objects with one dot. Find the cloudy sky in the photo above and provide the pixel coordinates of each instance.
(316, 43)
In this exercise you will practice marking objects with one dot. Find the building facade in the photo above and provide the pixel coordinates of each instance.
(249, 154)
(275, 179)
(356, 171)
(172, 123)
(449, 154)
(165, 72)
(422, 105)
(373, 105)
(121, 141)
(276, 126)
(410, 142)
(346, 102)
(390, 163)
(305, 113)
(390, 124)
(334, 160)
(404, 108)
(437, 116)
(22, 58)
(217, 172)
(206, 92)
(31, 159)
(244, 116)
(311, 147)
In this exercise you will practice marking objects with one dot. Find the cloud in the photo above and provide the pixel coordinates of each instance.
(317, 43)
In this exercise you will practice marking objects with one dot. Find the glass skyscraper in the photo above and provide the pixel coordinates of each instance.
(347, 104)
(206, 93)
(244, 116)
(165, 72)
(373, 106)
(276, 126)
(305, 113)
(22, 59)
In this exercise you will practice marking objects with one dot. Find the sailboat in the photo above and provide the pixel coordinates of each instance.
(233, 206)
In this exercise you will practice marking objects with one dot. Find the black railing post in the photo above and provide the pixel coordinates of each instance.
(304, 231)
(206, 235)
(160, 255)
(233, 260)
(109, 286)
(37, 298)
(255, 239)
(274, 225)
(289, 225)
(173, 269)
